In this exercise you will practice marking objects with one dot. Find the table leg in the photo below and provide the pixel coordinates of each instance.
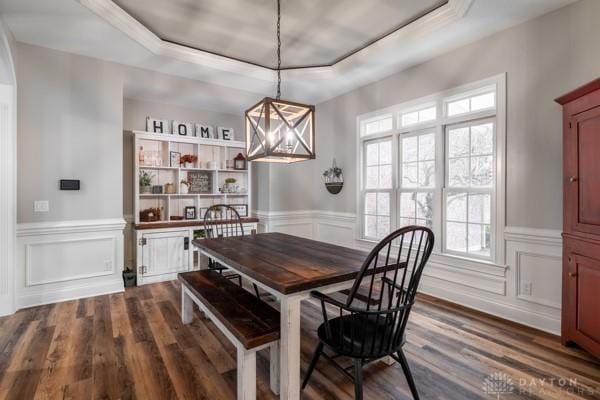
(274, 369)
(290, 348)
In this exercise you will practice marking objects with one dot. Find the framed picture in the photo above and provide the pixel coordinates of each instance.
(242, 209)
(190, 212)
(200, 182)
(157, 125)
(175, 158)
(182, 128)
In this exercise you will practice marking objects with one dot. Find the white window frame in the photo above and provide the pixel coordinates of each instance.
(440, 100)
(390, 190)
(469, 190)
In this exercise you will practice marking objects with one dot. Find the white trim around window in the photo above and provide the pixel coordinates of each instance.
(475, 110)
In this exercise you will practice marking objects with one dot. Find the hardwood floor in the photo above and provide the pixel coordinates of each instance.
(133, 345)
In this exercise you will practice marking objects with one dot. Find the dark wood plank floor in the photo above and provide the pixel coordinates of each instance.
(133, 345)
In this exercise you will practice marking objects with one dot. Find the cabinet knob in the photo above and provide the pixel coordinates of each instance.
(573, 179)
(572, 274)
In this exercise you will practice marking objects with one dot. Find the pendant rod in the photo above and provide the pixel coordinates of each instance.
(278, 49)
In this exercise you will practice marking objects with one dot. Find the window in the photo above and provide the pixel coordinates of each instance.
(419, 116)
(417, 179)
(471, 104)
(378, 185)
(469, 187)
(378, 125)
(438, 169)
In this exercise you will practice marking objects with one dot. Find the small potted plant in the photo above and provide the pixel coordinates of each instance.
(188, 160)
(184, 187)
(228, 187)
(145, 182)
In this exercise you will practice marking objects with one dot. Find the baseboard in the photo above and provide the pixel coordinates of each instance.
(7, 305)
(510, 312)
(72, 292)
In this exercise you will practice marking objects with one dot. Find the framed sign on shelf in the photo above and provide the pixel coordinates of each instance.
(200, 182)
(242, 209)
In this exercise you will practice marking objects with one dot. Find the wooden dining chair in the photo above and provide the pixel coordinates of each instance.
(222, 220)
(370, 326)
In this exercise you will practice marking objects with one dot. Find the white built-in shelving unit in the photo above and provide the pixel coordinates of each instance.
(164, 248)
(157, 149)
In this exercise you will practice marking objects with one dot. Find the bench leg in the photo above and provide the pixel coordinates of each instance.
(187, 307)
(274, 367)
(246, 374)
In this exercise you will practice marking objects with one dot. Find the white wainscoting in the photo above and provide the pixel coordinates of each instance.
(65, 260)
(533, 259)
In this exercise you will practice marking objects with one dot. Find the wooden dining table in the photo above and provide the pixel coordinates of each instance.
(289, 268)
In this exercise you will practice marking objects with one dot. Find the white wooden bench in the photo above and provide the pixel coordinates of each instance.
(250, 323)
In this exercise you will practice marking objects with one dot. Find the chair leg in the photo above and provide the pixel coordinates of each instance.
(239, 278)
(358, 379)
(313, 363)
(256, 290)
(408, 374)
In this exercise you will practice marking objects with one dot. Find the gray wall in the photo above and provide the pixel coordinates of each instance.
(543, 58)
(69, 126)
(72, 117)
(135, 112)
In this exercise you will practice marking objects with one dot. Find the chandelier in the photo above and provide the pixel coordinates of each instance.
(280, 130)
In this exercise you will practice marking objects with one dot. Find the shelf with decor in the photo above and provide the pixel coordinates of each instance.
(176, 172)
(179, 177)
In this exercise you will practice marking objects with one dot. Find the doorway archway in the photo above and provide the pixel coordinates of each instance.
(8, 170)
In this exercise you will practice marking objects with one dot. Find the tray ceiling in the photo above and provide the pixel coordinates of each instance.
(314, 32)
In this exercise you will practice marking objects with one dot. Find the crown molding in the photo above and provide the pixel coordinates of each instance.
(128, 25)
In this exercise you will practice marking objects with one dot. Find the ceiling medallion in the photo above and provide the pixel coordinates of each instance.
(279, 130)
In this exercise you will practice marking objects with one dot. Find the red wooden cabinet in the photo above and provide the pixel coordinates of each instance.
(581, 194)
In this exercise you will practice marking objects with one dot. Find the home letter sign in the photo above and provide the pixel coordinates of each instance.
(182, 128)
(204, 131)
(225, 133)
(157, 125)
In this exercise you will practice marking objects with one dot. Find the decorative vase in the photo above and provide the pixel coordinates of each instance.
(183, 189)
(169, 188)
(145, 189)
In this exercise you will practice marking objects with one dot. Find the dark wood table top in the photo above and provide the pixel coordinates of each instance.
(288, 264)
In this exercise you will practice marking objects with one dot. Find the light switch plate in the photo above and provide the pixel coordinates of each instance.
(41, 206)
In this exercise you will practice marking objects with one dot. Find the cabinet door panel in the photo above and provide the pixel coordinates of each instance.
(583, 173)
(588, 301)
(165, 253)
(583, 300)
